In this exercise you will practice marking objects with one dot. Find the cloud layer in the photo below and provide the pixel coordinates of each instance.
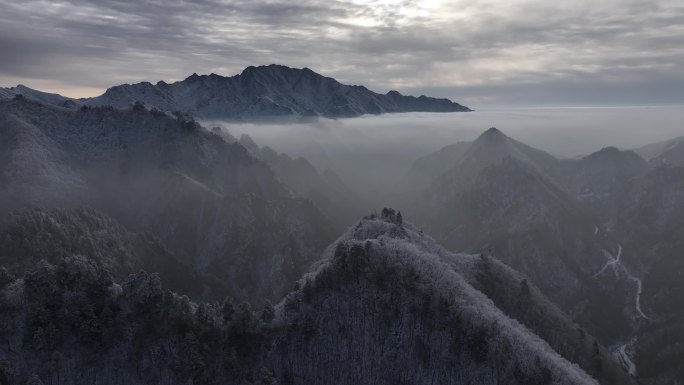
(477, 52)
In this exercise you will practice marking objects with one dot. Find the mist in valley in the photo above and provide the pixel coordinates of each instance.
(372, 153)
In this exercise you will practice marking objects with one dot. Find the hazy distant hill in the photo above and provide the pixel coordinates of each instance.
(325, 189)
(204, 198)
(667, 152)
(601, 180)
(425, 170)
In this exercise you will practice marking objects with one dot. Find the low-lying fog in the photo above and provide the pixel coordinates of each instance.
(371, 153)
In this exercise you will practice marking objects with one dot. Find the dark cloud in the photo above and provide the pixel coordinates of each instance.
(494, 50)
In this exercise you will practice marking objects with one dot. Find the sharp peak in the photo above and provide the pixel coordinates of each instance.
(491, 134)
(194, 76)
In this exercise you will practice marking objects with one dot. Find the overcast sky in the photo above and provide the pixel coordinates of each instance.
(491, 52)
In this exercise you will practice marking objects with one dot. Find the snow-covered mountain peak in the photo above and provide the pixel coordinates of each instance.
(383, 254)
(256, 93)
(267, 91)
(389, 225)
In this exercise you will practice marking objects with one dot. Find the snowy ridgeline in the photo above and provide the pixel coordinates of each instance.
(385, 306)
(257, 93)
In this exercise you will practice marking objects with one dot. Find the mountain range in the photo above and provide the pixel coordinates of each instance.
(599, 234)
(256, 93)
(138, 246)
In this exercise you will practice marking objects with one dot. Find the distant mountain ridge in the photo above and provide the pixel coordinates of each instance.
(43, 97)
(257, 92)
(667, 152)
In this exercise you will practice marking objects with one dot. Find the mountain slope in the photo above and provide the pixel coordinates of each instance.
(674, 155)
(43, 97)
(385, 306)
(654, 228)
(522, 301)
(425, 170)
(30, 235)
(600, 180)
(660, 343)
(527, 220)
(654, 211)
(202, 197)
(267, 91)
(600, 236)
(326, 190)
(670, 151)
(506, 199)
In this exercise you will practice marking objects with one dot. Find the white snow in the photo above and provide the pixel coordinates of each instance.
(614, 262)
(621, 351)
(623, 357)
(638, 298)
(445, 272)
